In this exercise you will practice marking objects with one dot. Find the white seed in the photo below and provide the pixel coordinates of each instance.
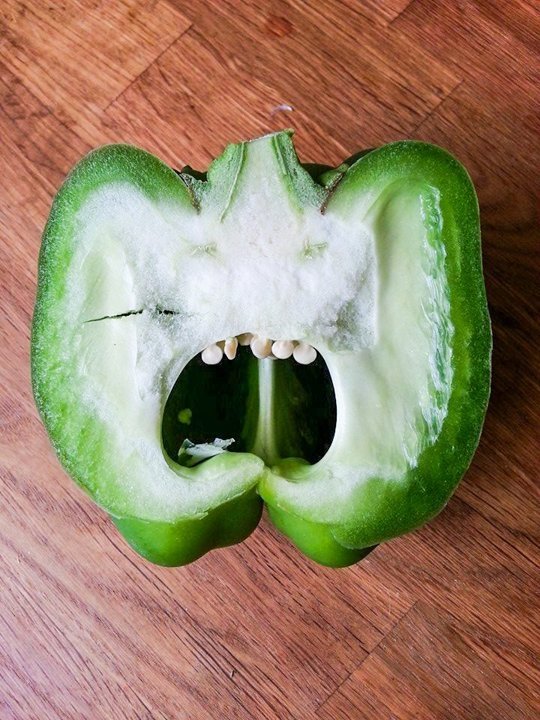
(261, 347)
(212, 354)
(245, 339)
(304, 353)
(230, 348)
(283, 349)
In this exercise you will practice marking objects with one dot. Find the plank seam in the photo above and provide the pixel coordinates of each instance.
(437, 106)
(154, 61)
(497, 529)
(373, 649)
(400, 13)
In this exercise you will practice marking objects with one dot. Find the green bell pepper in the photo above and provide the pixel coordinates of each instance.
(312, 338)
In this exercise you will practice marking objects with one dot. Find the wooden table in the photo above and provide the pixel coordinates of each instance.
(439, 624)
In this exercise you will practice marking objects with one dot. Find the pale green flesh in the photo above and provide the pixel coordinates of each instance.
(364, 283)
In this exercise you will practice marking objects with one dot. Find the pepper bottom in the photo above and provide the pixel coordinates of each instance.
(316, 540)
(182, 542)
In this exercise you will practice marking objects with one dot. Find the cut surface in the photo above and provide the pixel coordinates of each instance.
(151, 268)
(392, 396)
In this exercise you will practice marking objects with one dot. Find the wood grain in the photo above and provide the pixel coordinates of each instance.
(438, 624)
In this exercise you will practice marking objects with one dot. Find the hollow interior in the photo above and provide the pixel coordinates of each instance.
(273, 408)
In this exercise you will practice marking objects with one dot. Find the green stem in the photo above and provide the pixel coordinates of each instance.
(265, 442)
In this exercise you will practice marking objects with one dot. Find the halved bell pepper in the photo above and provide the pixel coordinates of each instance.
(351, 303)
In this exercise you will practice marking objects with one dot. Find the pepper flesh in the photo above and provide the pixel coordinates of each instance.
(407, 425)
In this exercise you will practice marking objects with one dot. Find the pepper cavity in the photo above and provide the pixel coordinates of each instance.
(261, 347)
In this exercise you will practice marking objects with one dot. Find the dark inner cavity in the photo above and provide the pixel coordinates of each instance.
(224, 401)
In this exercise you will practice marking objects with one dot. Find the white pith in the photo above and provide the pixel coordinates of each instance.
(363, 284)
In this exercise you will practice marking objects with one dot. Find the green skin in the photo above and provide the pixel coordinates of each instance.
(379, 510)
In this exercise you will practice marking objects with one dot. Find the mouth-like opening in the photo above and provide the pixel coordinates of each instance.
(273, 408)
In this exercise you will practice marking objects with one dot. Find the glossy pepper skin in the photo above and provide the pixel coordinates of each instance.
(335, 525)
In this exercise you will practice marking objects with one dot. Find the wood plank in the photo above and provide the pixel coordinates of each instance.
(384, 13)
(77, 57)
(477, 37)
(45, 142)
(481, 574)
(479, 657)
(188, 88)
(222, 82)
(431, 666)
